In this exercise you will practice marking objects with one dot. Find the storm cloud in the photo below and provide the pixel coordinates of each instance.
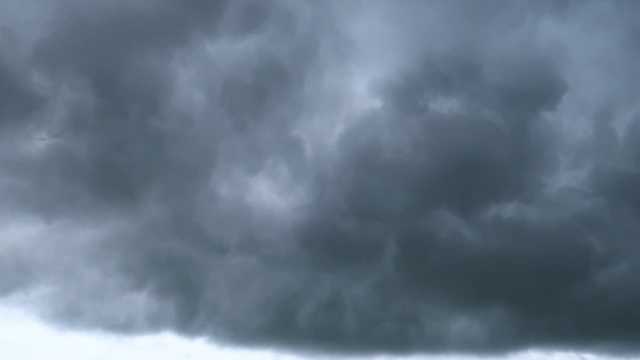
(349, 176)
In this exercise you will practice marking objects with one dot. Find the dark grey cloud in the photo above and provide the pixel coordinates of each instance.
(343, 176)
(18, 100)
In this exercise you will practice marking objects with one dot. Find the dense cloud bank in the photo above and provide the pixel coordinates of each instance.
(332, 175)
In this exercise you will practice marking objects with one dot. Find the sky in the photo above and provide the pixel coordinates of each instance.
(359, 178)
(26, 338)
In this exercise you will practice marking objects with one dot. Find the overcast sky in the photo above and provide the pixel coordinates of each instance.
(338, 177)
(24, 337)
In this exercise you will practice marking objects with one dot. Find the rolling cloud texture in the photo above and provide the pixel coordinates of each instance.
(352, 176)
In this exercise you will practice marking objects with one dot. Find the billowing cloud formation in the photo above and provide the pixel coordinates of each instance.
(338, 175)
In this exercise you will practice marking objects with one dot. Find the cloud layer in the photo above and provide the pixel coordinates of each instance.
(341, 175)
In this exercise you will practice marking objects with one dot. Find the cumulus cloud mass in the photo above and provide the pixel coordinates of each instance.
(351, 176)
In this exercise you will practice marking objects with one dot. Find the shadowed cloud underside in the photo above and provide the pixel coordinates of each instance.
(350, 176)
